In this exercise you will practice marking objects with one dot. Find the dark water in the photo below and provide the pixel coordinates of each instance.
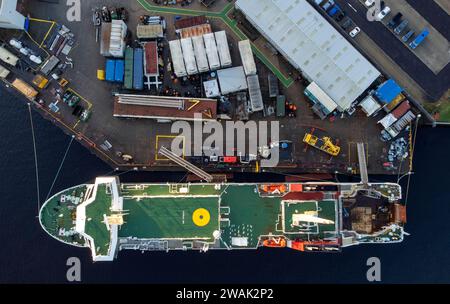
(27, 254)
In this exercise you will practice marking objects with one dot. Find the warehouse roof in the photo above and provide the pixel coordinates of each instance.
(312, 45)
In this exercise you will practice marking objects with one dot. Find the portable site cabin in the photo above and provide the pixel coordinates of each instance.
(117, 42)
(7, 57)
(248, 60)
(3, 72)
(189, 56)
(200, 54)
(254, 89)
(211, 51)
(224, 49)
(177, 58)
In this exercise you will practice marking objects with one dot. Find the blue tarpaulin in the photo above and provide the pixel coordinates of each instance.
(388, 91)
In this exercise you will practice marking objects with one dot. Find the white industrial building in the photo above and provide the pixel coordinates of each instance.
(313, 46)
(10, 18)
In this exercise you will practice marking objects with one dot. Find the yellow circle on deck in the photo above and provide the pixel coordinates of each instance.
(201, 217)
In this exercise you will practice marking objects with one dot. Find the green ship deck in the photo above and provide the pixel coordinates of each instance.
(110, 216)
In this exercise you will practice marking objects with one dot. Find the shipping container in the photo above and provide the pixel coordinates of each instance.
(138, 69)
(110, 69)
(105, 39)
(119, 71)
(223, 49)
(177, 58)
(7, 57)
(281, 106)
(25, 89)
(200, 54)
(248, 60)
(211, 51)
(149, 31)
(129, 63)
(401, 109)
(189, 56)
(397, 100)
(274, 89)
(151, 58)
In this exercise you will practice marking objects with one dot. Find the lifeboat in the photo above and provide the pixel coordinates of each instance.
(275, 188)
(276, 242)
(314, 245)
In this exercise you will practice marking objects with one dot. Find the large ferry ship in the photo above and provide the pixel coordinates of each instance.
(109, 216)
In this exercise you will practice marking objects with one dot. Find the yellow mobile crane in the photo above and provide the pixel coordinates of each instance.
(324, 144)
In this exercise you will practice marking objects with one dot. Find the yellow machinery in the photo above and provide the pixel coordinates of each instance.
(40, 81)
(324, 144)
(101, 75)
(63, 82)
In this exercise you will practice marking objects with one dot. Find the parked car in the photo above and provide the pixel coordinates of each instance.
(407, 36)
(369, 3)
(395, 21)
(339, 16)
(327, 5)
(399, 29)
(355, 32)
(346, 23)
(384, 12)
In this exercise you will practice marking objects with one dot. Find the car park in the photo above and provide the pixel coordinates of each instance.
(355, 32)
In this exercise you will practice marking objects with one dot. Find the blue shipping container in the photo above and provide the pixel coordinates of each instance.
(110, 69)
(120, 70)
(138, 69)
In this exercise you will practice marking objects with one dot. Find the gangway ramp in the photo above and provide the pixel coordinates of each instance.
(185, 164)
(362, 163)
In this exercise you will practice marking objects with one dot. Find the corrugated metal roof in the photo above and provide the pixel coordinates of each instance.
(223, 48)
(248, 60)
(189, 56)
(255, 93)
(312, 45)
(177, 58)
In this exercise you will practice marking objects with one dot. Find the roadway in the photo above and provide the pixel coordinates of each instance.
(433, 85)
